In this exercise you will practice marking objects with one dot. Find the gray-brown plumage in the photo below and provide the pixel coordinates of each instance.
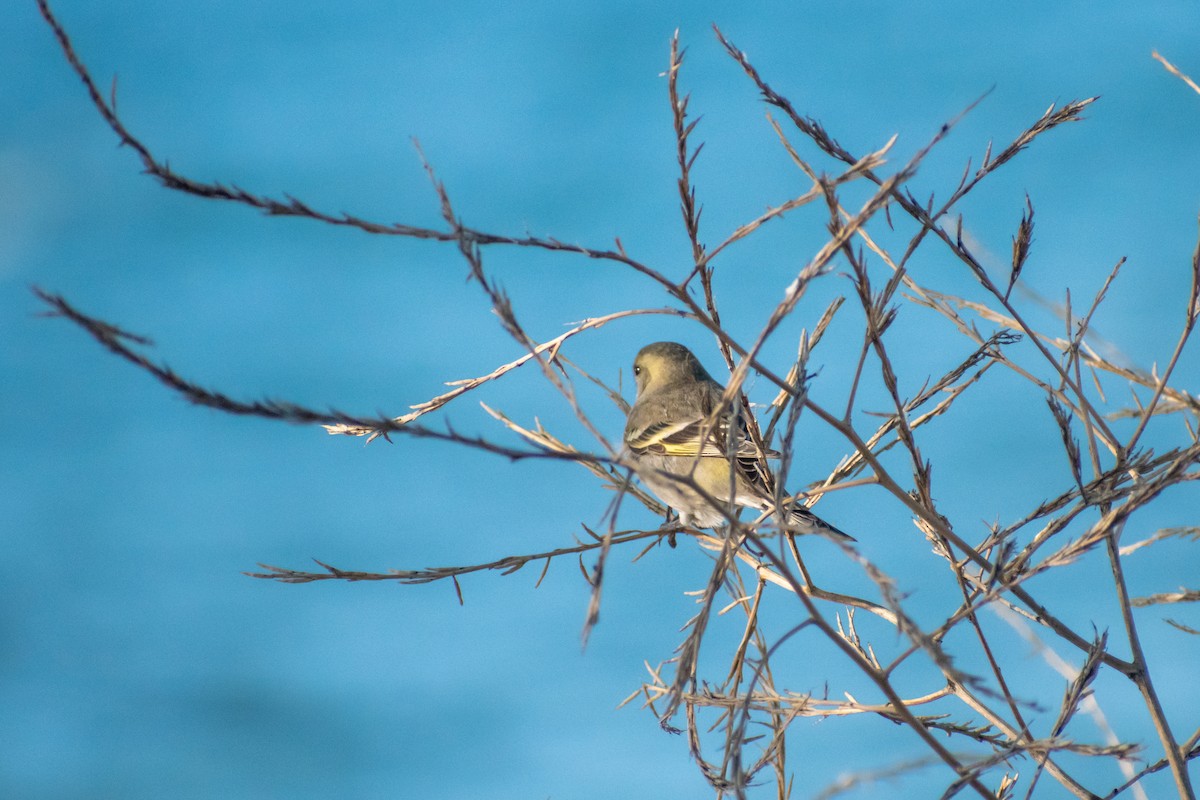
(681, 461)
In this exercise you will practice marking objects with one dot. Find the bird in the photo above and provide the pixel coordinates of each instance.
(675, 444)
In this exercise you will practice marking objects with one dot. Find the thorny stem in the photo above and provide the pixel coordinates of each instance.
(884, 685)
(928, 220)
(938, 524)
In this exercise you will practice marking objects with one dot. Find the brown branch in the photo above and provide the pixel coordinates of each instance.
(113, 338)
(461, 387)
(507, 565)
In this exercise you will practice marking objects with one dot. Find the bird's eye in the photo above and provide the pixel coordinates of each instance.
(637, 370)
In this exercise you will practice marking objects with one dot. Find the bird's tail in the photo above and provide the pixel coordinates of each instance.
(802, 520)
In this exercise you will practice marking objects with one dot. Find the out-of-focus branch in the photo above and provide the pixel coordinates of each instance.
(506, 566)
(114, 339)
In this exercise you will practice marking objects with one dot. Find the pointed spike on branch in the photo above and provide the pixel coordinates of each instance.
(876, 159)
(542, 577)
(1020, 245)
(962, 181)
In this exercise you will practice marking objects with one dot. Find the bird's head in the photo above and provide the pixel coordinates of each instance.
(664, 363)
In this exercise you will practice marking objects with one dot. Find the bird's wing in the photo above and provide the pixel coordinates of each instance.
(755, 473)
(675, 438)
(693, 435)
(683, 438)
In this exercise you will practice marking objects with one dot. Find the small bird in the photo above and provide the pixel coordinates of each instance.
(671, 449)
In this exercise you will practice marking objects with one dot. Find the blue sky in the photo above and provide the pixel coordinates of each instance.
(139, 661)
